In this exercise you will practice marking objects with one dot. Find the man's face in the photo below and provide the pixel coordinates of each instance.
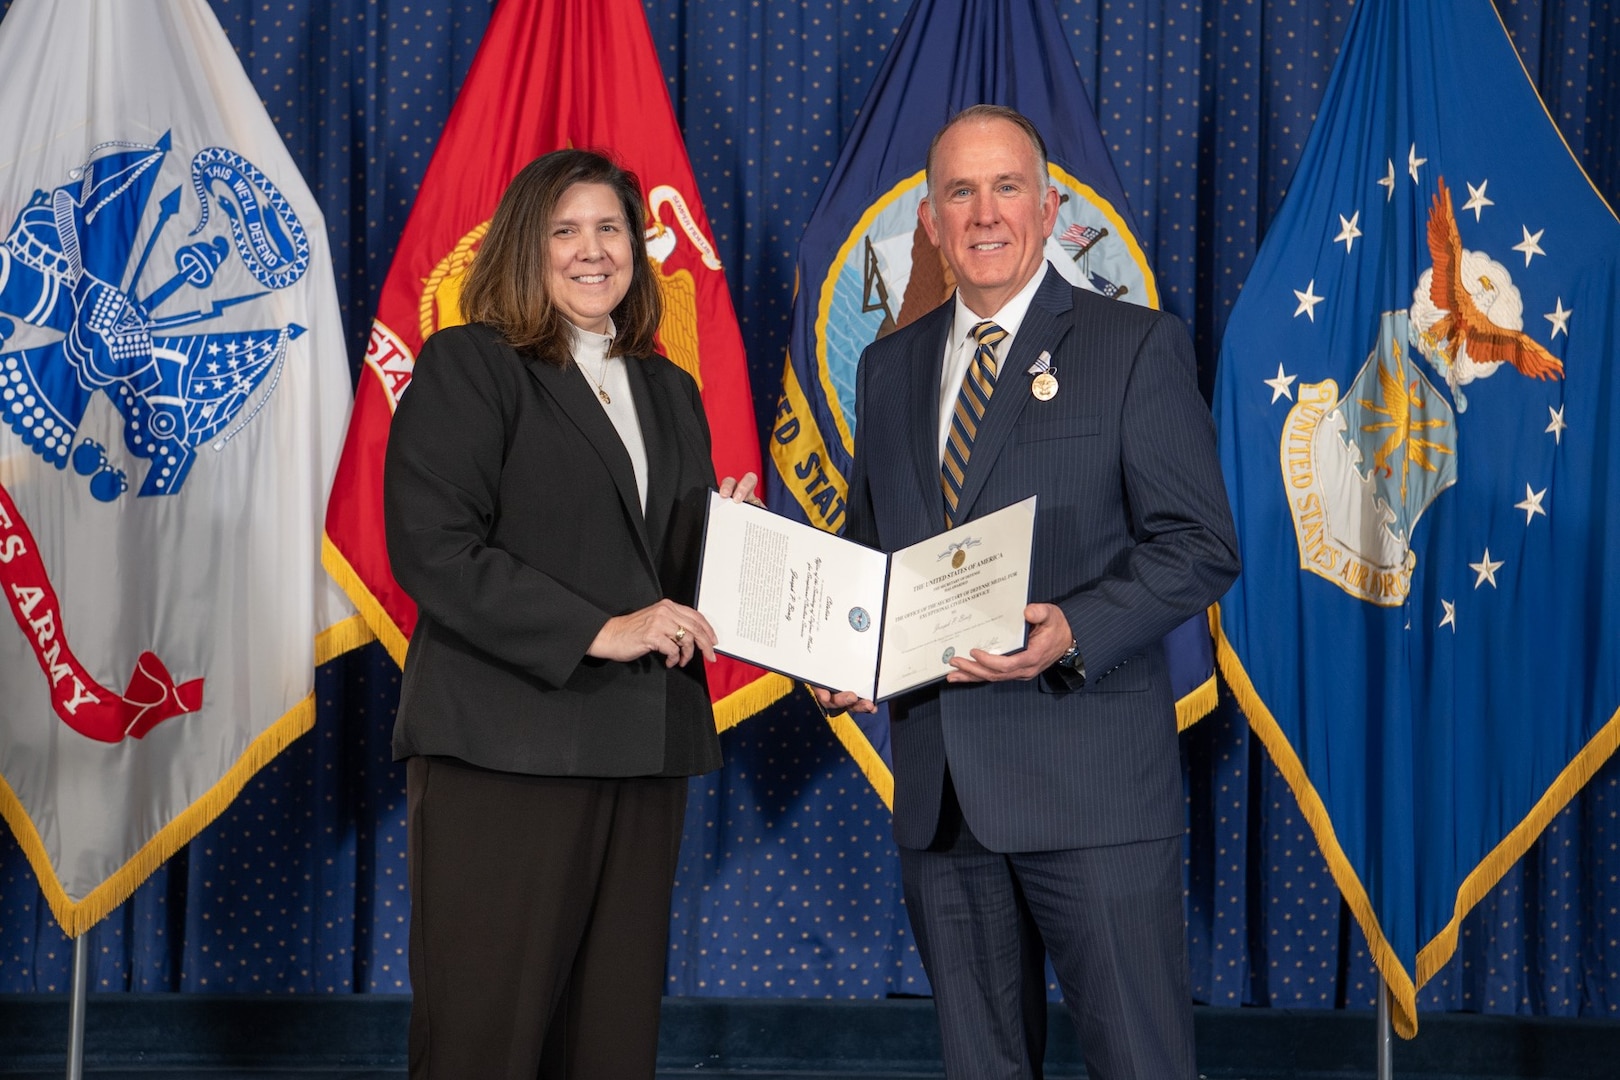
(988, 211)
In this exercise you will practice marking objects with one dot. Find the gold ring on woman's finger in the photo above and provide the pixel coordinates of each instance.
(679, 635)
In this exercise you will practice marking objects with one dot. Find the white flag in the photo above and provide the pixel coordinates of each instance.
(174, 389)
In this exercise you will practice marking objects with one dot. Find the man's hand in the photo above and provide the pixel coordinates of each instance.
(1049, 638)
(842, 700)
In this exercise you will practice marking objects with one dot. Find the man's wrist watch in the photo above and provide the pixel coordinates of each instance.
(1073, 661)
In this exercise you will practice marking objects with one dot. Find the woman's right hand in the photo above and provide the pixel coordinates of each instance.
(674, 630)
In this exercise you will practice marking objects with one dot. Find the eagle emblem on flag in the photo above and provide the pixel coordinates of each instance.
(103, 324)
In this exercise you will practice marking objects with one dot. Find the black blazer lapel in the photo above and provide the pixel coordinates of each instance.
(575, 400)
(662, 433)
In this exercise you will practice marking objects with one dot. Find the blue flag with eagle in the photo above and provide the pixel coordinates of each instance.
(1414, 400)
(866, 267)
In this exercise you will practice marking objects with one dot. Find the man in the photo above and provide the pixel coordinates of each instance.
(1038, 795)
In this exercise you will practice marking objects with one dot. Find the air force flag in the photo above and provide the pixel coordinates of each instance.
(172, 390)
(1415, 399)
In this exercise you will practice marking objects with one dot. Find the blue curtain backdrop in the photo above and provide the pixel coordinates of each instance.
(789, 883)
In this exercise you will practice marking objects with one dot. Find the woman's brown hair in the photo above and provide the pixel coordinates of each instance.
(506, 285)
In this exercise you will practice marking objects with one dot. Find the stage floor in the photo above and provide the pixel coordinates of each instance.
(362, 1037)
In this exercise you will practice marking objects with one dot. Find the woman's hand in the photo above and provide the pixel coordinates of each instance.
(674, 630)
(741, 490)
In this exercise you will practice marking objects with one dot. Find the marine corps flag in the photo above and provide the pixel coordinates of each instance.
(173, 389)
(866, 267)
(1416, 402)
(549, 74)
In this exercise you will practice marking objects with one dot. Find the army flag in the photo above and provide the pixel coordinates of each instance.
(1415, 403)
(548, 75)
(173, 388)
(867, 268)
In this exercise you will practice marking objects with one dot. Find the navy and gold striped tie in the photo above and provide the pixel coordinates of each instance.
(971, 401)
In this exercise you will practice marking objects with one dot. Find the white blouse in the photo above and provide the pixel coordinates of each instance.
(609, 381)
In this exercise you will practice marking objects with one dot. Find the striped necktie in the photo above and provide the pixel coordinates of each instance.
(971, 401)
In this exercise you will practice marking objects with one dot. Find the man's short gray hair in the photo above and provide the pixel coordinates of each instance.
(991, 112)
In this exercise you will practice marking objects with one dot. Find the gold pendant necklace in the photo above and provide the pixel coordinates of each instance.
(600, 392)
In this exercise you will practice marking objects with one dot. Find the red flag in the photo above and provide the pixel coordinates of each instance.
(548, 75)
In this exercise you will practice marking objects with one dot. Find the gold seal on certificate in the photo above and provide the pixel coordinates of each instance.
(789, 597)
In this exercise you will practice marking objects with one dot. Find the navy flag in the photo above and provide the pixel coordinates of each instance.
(866, 267)
(1415, 399)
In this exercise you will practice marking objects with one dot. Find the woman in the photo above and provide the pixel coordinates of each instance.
(544, 491)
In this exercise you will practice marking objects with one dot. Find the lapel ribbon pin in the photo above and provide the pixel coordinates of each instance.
(1045, 386)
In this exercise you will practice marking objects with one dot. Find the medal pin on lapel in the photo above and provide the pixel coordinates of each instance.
(1045, 384)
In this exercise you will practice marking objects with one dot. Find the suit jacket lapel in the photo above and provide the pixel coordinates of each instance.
(922, 396)
(575, 400)
(1043, 329)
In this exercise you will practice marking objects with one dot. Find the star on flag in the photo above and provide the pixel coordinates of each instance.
(1531, 504)
(1476, 199)
(1530, 245)
(1281, 386)
(1413, 161)
(1348, 231)
(1307, 301)
(1559, 317)
(1558, 424)
(1486, 569)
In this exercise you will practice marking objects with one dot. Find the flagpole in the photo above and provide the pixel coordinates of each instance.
(81, 980)
(1386, 1048)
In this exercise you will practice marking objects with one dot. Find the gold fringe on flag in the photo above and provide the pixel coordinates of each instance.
(75, 917)
(870, 761)
(376, 619)
(1196, 704)
(1433, 955)
(745, 701)
(1403, 993)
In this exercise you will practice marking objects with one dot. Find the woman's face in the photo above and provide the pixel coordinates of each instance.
(589, 255)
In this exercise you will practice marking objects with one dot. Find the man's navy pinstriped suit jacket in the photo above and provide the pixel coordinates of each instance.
(1133, 535)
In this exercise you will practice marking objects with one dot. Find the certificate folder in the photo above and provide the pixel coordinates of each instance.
(786, 596)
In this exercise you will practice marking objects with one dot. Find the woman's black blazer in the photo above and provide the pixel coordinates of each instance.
(514, 522)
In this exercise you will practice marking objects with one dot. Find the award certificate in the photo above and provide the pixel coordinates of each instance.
(814, 606)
